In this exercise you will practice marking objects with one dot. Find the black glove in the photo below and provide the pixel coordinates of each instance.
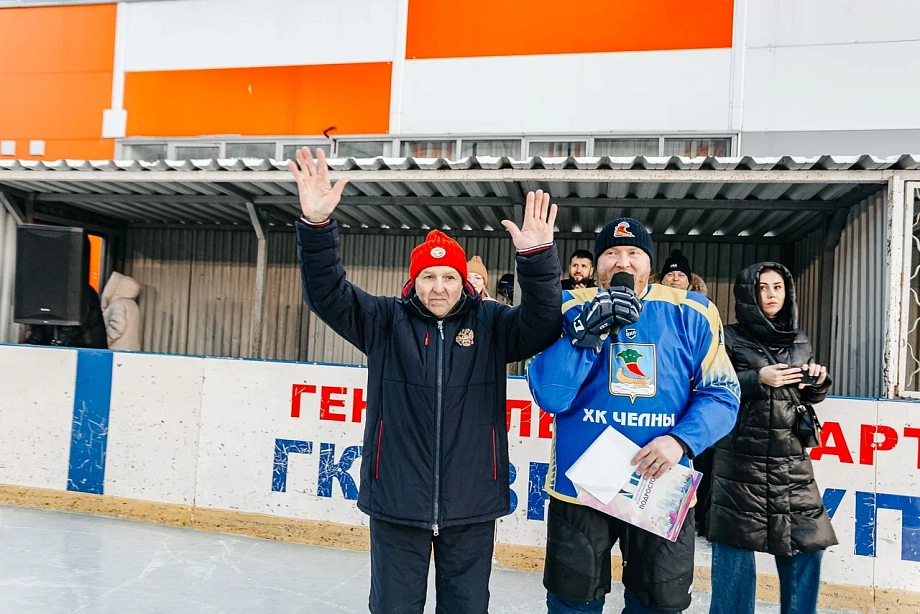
(626, 306)
(605, 315)
(593, 324)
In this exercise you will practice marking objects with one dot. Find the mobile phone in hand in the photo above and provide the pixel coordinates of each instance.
(809, 380)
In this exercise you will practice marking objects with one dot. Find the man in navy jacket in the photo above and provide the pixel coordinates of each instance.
(434, 464)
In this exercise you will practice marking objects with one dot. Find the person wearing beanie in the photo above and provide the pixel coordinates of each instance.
(676, 273)
(478, 277)
(505, 289)
(434, 462)
(649, 362)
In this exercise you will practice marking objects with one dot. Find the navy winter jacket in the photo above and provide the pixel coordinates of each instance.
(435, 450)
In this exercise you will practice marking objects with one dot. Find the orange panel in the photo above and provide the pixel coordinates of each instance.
(90, 149)
(278, 100)
(479, 28)
(54, 105)
(95, 261)
(56, 71)
(57, 39)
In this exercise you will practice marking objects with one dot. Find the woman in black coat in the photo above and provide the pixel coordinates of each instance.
(764, 497)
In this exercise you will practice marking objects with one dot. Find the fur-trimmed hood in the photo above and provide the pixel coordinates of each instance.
(696, 283)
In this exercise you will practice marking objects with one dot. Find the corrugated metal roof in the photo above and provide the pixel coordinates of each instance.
(785, 163)
(745, 196)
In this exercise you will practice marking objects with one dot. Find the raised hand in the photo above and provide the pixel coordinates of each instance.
(539, 220)
(318, 197)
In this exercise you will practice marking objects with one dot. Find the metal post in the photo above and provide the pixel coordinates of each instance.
(8, 330)
(29, 217)
(13, 210)
(518, 201)
(255, 330)
(894, 266)
(7, 271)
(908, 267)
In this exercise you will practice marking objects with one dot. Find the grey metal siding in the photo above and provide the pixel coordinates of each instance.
(197, 285)
(860, 296)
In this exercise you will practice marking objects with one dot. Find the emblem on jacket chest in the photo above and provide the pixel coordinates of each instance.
(633, 370)
(465, 338)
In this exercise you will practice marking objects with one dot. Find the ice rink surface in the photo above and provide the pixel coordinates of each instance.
(57, 562)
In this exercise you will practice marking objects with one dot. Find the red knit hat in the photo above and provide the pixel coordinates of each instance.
(437, 250)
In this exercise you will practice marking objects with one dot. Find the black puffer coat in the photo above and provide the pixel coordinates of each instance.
(764, 496)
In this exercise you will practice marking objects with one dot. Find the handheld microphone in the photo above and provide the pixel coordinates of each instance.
(623, 279)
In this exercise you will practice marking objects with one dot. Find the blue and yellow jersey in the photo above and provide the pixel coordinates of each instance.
(667, 373)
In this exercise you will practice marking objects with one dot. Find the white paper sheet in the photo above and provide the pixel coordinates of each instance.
(605, 466)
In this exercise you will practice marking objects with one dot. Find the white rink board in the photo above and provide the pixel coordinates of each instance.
(269, 438)
(153, 427)
(246, 408)
(36, 414)
(897, 542)
(528, 450)
(840, 563)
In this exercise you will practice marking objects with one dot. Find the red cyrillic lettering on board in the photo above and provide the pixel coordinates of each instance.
(546, 425)
(326, 403)
(358, 405)
(839, 449)
(296, 391)
(914, 432)
(526, 408)
(868, 444)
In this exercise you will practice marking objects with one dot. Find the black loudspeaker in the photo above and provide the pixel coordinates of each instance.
(52, 275)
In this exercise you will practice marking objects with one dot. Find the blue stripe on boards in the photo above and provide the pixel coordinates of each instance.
(90, 430)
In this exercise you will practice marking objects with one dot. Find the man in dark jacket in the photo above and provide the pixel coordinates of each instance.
(434, 465)
(763, 493)
(581, 271)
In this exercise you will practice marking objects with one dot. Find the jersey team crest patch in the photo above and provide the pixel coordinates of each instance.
(633, 370)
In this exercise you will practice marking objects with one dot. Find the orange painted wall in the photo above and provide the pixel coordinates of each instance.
(479, 28)
(56, 76)
(355, 98)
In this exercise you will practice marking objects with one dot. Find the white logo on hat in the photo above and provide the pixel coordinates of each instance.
(438, 252)
(622, 230)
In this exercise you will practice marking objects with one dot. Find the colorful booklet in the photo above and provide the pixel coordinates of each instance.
(658, 506)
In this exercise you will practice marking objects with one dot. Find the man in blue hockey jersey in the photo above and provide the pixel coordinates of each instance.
(650, 363)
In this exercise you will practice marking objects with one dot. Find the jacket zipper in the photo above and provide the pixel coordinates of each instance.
(379, 441)
(494, 457)
(437, 428)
